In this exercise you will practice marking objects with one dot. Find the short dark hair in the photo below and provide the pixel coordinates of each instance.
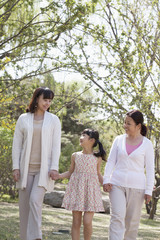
(137, 117)
(47, 94)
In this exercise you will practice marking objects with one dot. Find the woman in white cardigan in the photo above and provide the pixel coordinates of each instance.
(129, 177)
(35, 156)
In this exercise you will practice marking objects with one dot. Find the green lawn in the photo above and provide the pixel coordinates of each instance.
(55, 219)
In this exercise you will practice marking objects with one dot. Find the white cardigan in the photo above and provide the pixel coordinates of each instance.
(129, 170)
(50, 148)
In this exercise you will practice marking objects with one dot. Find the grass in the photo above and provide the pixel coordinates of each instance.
(55, 219)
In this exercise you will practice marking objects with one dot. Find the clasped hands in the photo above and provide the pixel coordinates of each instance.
(53, 174)
(107, 187)
(16, 175)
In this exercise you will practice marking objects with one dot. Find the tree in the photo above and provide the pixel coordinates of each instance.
(114, 45)
(123, 62)
(32, 35)
(70, 101)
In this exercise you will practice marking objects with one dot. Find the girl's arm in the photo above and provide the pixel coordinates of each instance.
(71, 169)
(99, 170)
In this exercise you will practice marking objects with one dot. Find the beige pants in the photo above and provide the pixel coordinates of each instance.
(30, 209)
(126, 205)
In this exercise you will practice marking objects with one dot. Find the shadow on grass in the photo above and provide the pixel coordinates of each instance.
(55, 219)
(151, 223)
(148, 234)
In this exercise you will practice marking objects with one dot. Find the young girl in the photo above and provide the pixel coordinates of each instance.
(83, 192)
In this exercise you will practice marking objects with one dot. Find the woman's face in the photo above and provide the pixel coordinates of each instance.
(43, 104)
(130, 126)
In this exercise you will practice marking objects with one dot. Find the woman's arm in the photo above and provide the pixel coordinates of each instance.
(56, 144)
(100, 177)
(149, 164)
(17, 145)
(71, 169)
(111, 162)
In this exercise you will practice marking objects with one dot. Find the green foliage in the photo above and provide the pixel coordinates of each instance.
(72, 102)
(118, 53)
(126, 69)
(32, 42)
(114, 45)
(7, 185)
(70, 144)
(8, 198)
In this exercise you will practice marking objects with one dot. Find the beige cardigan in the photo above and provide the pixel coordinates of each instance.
(50, 148)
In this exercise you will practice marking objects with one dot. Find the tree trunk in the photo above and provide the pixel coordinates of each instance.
(155, 197)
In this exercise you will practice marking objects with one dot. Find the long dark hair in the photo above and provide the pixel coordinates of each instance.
(137, 117)
(47, 94)
(94, 134)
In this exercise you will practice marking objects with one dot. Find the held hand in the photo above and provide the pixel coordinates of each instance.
(54, 174)
(16, 175)
(107, 187)
(147, 198)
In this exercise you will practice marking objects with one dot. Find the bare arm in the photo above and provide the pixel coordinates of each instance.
(71, 169)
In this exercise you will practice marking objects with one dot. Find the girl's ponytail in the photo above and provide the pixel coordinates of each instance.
(101, 152)
(94, 134)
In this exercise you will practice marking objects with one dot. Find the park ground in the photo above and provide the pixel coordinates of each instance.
(57, 224)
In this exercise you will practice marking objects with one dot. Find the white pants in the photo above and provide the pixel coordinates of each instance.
(126, 205)
(30, 209)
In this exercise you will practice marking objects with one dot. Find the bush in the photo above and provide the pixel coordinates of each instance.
(70, 144)
(7, 184)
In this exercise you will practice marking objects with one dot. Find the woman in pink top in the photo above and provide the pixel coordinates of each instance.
(131, 156)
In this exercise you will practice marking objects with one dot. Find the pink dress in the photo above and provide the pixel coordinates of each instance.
(83, 192)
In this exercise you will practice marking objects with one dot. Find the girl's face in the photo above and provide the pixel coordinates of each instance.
(130, 126)
(85, 140)
(43, 104)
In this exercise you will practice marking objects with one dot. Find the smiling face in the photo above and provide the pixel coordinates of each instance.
(85, 140)
(43, 104)
(130, 126)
